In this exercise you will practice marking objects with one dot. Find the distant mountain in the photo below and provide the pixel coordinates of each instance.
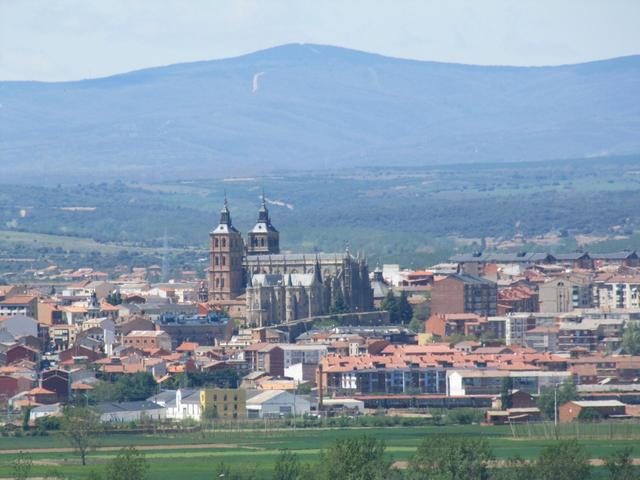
(312, 106)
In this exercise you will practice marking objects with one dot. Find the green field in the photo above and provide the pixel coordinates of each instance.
(196, 454)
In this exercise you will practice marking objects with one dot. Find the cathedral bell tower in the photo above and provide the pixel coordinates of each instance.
(263, 237)
(225, 267)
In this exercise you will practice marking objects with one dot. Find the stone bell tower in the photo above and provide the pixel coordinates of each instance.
(226, 280)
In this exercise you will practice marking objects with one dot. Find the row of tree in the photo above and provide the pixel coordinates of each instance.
(441, 457)
(438, 457)
(399, 308)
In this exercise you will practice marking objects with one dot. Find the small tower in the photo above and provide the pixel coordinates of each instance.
(263, 237)
(227, 249)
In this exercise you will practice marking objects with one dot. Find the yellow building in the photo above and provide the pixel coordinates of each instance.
(228, 403)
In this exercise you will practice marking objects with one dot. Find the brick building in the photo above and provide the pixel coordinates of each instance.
(605, 408)
(463, 293)
(148, 339)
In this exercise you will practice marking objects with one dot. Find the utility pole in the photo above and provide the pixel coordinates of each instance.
(555, 405)
(555, 409)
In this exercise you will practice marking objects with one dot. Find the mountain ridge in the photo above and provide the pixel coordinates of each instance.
(314, 106)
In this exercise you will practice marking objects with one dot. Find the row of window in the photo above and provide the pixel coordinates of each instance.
(222, 242)
(222, 260)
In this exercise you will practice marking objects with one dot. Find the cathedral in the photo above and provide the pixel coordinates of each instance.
(279, 288)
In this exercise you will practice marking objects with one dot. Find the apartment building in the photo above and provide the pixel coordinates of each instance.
(591, 335)
(617, 292)
(227, 403)
(19, 305)
(148, 339)
(565, 294)
(463, 293)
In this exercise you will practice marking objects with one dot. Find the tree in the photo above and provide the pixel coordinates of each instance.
(565, 460)
(224, 378)
(360, 458)
(404, 309)
(54, 474)
(104, 391)
(416, 325)
(390, 304)
(129, 464)
(546, 400)
(287, 466)
(446, 457)
(515, 468)
(339, 305)
(620, 465)
(22, 466)
(114, 298)
(589, 415)
(631, 339)
(505, 393)
(210, 413)
(81, 427)
(135, 387)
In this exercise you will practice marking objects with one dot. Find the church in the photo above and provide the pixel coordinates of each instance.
(276, 287)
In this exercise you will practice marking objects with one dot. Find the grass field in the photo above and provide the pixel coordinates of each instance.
(78, 244)
(196, 454)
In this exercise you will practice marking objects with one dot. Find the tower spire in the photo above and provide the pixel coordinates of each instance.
(225, 214)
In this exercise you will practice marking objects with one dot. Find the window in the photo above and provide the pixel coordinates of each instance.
(224, 260)
(215, 242)
(217, 261)
(224, 242)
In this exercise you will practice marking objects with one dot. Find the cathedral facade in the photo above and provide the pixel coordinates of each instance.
(279, 288)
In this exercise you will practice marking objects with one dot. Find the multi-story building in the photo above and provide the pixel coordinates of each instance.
(477, 263)
(543, 339)
(207, 329)
(516, 327)
(617, 292)
(565, 294)
(518, 298)
(226, 403)
(591, 335)
(19, 305)
(626, 258)
(148, 339)
(381, 374)
(466, 324)
(489, 382)
(463, 293)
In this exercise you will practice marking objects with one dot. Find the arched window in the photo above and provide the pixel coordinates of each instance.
(224, 260)
(217, 282)
(215, 242)
(222, 283)
(224, 242)
(217, 261)
(262, 242)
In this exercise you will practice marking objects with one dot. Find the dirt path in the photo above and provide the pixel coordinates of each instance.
(197, 446)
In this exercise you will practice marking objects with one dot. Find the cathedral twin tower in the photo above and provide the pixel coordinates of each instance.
(275, 287)
(226, 273)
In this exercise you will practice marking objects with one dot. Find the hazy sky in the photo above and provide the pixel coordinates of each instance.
(73, 39)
